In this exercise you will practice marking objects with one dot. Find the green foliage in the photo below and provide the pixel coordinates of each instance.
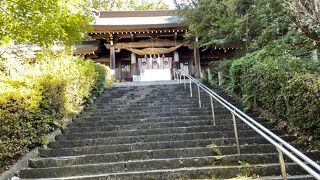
(43, 22)
(302, 100)
(35, 98)
(238, 69)
(277, 74)
(223, 67)
(286, 88)
(306, 17)
(211, 20)
(253, 24)
(215, 149)
(280, 79)
(243, 163)
(18, 106)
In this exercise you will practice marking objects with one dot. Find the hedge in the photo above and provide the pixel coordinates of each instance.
(302, 99)
(284, 86)
(35, 98)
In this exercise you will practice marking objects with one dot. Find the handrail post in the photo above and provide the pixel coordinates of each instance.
(212, 110)
(209, 75)
(184, 81)
(179, 77)
(190, 88)
(236, 132)
(282, 165)
(199, 96)
(220, 78)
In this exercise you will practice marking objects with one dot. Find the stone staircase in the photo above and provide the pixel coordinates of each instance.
(158, 132)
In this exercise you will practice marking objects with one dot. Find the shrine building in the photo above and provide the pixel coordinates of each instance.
(147, 45)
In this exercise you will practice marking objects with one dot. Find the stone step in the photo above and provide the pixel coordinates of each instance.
(148, 138)
(278, 177)
(153, 112)
(161, 169)
(165, 132)
(133, 120)
(187, 142)
(155, 126)
(125, 104)
(153, 109)
(162, 130)
(233, 159)
(103, 121)
(92, 122)
(96, 122)
(159, 132)
(107, 127)
(160, 100)
(76, 151)
(95, 159)
(296, 177)
(138, 116)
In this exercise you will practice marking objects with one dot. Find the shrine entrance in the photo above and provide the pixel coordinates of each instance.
(155, 68)
(125, 74)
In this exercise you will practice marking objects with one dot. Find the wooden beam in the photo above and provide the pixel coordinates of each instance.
(145, 44)
(160, 33)
(137, 28)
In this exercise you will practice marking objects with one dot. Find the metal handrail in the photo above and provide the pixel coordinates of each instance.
(282, 146)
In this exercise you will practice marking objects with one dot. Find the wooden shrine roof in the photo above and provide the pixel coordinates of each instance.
(136, 21)
(90, 47)
(113, 14)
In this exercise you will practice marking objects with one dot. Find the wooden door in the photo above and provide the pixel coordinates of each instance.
(126, 70)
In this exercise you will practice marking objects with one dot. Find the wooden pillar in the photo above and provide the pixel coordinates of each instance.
(196, 54)
(112, 58)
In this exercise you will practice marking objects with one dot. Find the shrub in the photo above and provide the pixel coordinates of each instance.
(36, 97)
(238, 69)
(220, 66)
(103, 80)
(18, 106)
(302, 97)
(279, 84)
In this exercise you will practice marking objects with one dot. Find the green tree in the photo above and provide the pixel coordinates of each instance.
(43, 22)
(113, 5)
(306, 15)
(214, 21)
(218, 22)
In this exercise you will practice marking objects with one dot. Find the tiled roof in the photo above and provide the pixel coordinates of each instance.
(88, 48)
(136, 20)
